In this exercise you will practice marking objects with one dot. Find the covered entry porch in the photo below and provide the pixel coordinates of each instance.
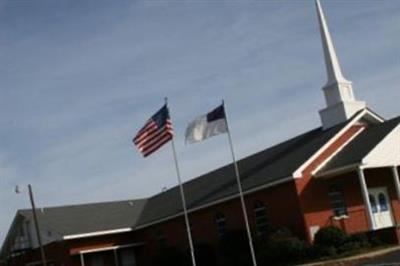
(365, 199)
(363, 179)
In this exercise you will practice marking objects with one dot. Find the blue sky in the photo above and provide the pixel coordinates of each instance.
(79, 78)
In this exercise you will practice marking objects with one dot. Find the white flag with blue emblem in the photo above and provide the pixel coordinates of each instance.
(208, 125)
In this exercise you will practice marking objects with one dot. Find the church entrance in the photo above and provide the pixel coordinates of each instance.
(380, 207)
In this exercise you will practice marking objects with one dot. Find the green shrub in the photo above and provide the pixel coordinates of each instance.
(330, 241)
(361, 239)
(205, 255)
(280, 233)
(281, 248)
(350, 247)
(375, 241)
(234, 249)
(330, 237)
(325, 251)
(170, 256)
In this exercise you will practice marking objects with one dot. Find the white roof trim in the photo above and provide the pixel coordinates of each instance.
(375, 116)
(367, 166)
(298, 172)
(94, 250)
(98, 233)
(340, 170)
(337, 151)
(275, 183)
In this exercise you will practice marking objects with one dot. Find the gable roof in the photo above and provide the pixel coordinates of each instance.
(92, 217)
(361, 146)
(75, 220)
(268, 166)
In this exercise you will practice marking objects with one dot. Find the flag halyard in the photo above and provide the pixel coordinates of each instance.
(155, 133)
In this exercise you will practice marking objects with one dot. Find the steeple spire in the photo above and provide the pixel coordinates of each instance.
(331, 60)
(339, 96)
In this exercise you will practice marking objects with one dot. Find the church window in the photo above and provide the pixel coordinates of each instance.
(160, 237)
(260, 214)
(338, 203)
(383, 205)
(372, 201)
(220, 221)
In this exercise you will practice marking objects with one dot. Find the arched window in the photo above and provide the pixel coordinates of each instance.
(383, 205)
(260, 214)
(220, 221)
(338, 203)
(373, 204)
(161, 238)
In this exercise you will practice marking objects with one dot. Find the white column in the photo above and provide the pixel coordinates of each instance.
(367, 203)
(396, 180)
(82, 260)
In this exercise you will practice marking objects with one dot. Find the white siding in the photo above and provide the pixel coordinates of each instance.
(387, 152)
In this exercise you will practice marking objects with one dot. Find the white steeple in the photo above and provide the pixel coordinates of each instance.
(339, 96)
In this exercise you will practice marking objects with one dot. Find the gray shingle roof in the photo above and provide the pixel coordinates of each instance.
(267, 166)
(357, 149)
(86, 218)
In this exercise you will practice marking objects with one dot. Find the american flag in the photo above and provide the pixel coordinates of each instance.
(156, 132)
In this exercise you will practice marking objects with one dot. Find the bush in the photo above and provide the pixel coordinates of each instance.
(350, 247)
(234, 249)
(325, 251)
(282, 248)
(170, 256)
(361, 239)
(205, 255)
(375, 241)
(330, 237)
(330, 241)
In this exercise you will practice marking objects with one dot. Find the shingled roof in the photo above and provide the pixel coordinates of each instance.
(364, 143)
(265, 167)
(85, 218)
(80, 219)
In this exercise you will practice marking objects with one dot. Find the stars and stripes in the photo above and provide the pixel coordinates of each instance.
(155, 133)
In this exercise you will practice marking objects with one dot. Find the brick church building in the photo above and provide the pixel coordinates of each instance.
(344, 173)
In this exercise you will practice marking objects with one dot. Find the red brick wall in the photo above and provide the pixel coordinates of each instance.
(314, 200)
(66, 253)
(282, 209)
(55, 252)
(312, 191)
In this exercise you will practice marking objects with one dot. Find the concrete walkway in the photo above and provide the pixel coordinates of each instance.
(376, 258)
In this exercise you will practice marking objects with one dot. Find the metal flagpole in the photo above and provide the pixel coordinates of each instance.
(183, 200)
(37, 226)
(246, 220)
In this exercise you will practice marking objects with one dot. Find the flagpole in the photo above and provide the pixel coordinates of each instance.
(178, 174)
(35, 219)
(246, 220)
